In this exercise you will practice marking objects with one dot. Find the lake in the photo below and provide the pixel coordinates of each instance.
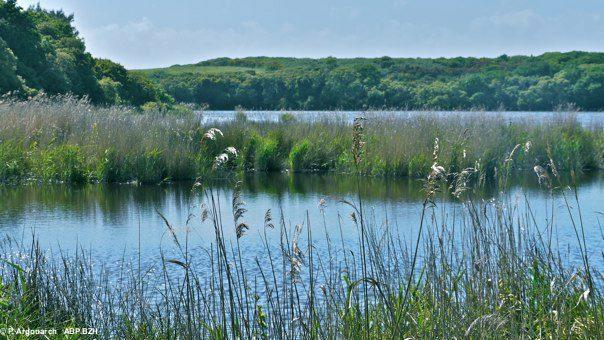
(585, 118)
(112, 221)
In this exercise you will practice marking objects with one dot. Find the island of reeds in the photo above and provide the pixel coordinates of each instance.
(70, 140)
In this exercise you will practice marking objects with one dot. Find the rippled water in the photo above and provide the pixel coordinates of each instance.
(113, 221)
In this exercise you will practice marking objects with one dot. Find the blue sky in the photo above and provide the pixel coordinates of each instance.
(154, 33)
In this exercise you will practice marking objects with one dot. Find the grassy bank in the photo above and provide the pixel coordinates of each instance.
(496, 272)
(72, 141)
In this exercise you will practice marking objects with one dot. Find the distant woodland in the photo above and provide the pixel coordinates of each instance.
(544, 82)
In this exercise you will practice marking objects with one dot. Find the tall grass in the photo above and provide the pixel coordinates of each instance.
(113, 144)
(492, 271)
(66, 139)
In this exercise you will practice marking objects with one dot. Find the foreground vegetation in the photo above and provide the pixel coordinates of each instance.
(493, 272)
(543, 82)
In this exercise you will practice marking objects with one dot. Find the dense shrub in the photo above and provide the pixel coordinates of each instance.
(249, 153)
(41, 51)
(418, 165)
(575, 150)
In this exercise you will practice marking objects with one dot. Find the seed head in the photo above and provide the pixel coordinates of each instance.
(357, 140)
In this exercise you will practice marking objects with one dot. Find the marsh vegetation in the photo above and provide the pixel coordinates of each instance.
(69, 140)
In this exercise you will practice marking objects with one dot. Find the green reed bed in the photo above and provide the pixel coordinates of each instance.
(492, 272)
(69, 140)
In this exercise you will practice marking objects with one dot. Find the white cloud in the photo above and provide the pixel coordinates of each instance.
(142, 43)
(516, 20)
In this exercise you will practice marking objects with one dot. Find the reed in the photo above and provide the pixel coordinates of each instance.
(67, 139)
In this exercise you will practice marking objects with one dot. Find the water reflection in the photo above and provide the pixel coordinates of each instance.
(384, 189)
(115, 203)
(109, 219)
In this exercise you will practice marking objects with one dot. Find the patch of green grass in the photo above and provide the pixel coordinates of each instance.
(308, 155)
(112, 167)
(268, 157)
(14, 163)
(65, 163)
(150, 167)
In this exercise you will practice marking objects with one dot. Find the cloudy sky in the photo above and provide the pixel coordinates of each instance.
(153, 33)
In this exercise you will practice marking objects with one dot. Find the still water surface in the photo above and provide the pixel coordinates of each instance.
(113, 221)
(587, 119)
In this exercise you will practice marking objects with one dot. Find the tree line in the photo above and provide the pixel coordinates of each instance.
(543, 82)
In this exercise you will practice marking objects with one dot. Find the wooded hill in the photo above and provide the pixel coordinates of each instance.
(543, 82)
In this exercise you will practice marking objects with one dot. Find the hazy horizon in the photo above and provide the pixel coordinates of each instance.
(154, 34)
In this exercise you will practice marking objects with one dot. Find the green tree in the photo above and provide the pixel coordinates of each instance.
(9, 80)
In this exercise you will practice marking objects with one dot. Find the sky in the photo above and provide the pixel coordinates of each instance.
(152, 33)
